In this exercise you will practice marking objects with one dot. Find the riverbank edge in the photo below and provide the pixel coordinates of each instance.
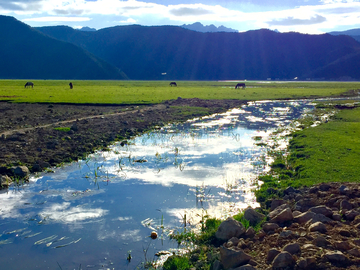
(328, 242)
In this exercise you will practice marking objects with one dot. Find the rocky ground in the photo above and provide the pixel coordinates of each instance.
(309, 228)
(34, 137)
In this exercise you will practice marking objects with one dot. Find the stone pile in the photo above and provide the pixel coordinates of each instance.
(309, 228)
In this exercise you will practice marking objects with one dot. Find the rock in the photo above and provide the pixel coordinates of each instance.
(317, 227)
(342, 245)
(232, 242)
(355, 252)
(304, 217)
(321, 241)
(319, 218)
(245, 267)
(286, 234)
(283, 216)
(272, 253)
(217, 265)
(345, 205)
(289, 190)
(324, 187)
(292, 248)
(276, 203)
(5, 181)
(233, 258)
(345, 233)
(229, 228)
(336, 217)
(278, 210)
(344, 190)
(283, 260)
(21, 171)
(322, 209)
(335, 257)
(351, 214)
(267, 227)
(252, 216)
(250, 232)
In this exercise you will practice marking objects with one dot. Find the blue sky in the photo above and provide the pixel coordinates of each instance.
(305, 16)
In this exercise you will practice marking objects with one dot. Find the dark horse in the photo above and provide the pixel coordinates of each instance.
(173, 84)
(242, 85)
(28, 84)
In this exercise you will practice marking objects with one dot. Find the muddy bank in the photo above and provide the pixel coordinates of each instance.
(39, 136)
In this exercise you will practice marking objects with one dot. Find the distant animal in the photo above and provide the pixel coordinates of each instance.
(71, 85)
(242, 85)
(28, 84)
(173, 84)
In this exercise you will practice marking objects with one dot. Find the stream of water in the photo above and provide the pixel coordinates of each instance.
(93, 213)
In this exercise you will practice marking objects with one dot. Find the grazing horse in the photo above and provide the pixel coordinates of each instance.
(28, 84)
(71, 85)
(242, 85)
(173, 84)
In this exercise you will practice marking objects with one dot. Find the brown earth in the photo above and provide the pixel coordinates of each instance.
(28, 136)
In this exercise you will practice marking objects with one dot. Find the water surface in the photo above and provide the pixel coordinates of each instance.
(93, 213)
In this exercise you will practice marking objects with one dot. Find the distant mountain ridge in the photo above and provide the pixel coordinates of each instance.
(172, 53)
(26, 53)
(354, 33)
(199, 27)
(145, 53)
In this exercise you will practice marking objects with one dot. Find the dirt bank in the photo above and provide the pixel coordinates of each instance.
(42, 135)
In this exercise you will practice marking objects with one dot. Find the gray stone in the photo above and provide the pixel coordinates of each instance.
(5, 181)
(283, 260)
(292, 248)
(304, 217)
(250, 232)
(345, 205)
(276, 203)
(320, 241)
(252, 216)
(342, 245)
(272, 253)
(278, 210)
(355, 252)
(351, 214)
(267, 227)
(318, 227)
(21, 171)
(322, 209)
(319, 218)
(286, 234)
(284, 216)
(335, 256)
(246, 267)
(229, 228)
(233, 258)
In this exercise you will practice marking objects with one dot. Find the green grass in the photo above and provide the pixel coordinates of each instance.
(329, 152)
(63, 129)
(146, 92)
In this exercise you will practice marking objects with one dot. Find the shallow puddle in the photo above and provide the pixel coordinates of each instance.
(94, 213)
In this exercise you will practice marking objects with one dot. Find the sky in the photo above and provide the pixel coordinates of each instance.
(304, 16)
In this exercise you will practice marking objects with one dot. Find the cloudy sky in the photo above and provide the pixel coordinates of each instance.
(306, 16)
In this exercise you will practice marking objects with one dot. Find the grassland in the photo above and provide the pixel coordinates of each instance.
(152, 92)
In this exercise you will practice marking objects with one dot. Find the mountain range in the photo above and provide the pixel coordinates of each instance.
(172, 53)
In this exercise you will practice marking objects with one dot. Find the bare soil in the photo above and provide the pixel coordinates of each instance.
(30, 134)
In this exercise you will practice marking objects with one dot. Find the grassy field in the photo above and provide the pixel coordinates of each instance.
(329, 152)
(150, 92)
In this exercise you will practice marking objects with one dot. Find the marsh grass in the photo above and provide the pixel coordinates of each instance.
(151, 92)
(327, 152)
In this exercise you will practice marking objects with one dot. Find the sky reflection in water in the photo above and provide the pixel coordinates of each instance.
(94, 212)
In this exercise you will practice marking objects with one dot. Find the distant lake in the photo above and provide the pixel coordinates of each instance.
(93, 213)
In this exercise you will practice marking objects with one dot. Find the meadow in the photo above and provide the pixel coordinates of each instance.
(152, 92)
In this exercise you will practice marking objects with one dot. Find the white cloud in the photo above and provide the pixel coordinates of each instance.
(57, 19)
